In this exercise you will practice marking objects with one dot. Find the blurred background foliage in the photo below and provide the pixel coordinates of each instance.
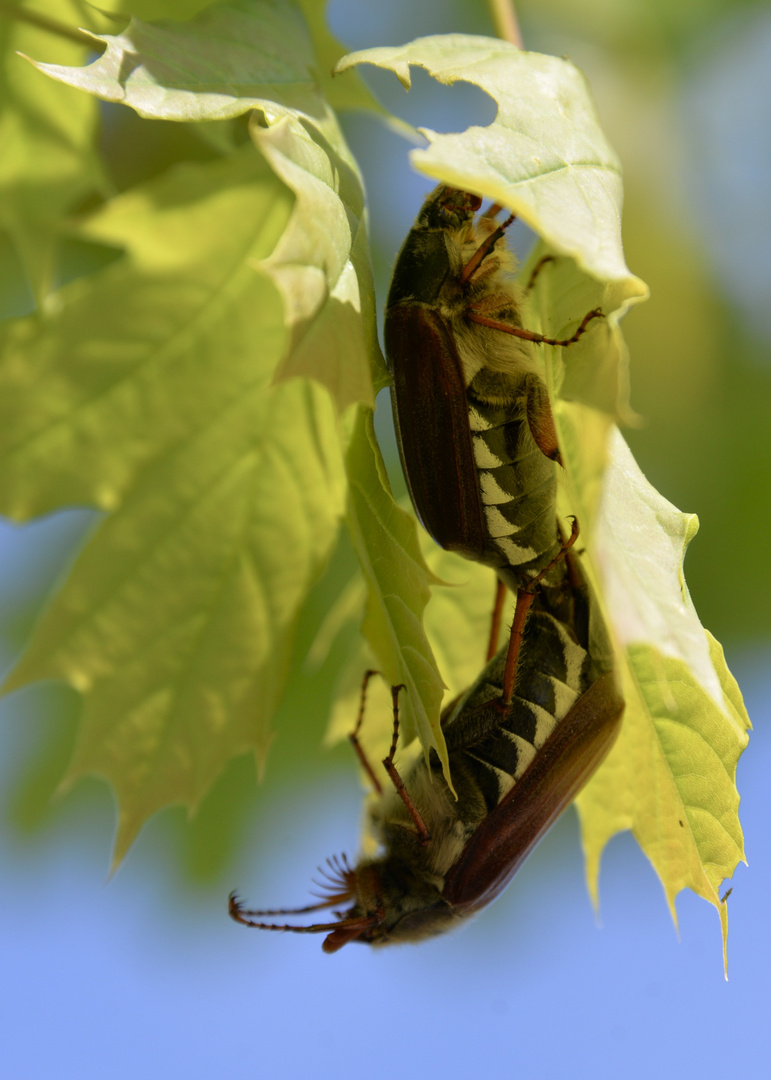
(675, 84)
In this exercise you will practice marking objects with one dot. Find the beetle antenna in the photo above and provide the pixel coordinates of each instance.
(340, 932)
(235, 905)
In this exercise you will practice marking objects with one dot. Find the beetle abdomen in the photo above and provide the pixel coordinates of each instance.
(515, 769)
(554, 671)
(518, 489)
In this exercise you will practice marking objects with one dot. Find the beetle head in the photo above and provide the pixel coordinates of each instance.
(392, 901)
(448, 207)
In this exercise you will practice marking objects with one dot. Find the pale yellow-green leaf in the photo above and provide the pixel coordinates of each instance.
(457, 624)
(48, 162)
(321, 264)
(398, 580)
(176, 623)
(544, 157)
(257, 55)
(124, 363)
(146, 390)
(671, 777)
(228, 59)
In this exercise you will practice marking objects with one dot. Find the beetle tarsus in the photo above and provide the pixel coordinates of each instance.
(537, 270)
(424, 835)
(531, 335)
(354, 735)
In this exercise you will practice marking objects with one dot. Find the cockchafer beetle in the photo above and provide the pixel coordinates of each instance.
(476, 435)
(514, 769)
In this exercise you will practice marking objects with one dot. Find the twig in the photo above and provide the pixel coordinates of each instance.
(505, 21)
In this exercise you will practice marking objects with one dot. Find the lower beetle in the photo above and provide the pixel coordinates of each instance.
(515, 770)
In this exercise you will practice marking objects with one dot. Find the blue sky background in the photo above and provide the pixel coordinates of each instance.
(144, 974)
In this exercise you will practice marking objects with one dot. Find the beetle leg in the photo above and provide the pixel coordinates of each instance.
(541, 421)
(530, 335)
(354, 736)
(484, 249)
(493, 210)
(525, 598)
(495, 627)
(524, 603)
(388, 764)
(537, 270)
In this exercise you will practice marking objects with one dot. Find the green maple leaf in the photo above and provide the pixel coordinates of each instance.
(172, 390)
(225, 491)
(671, 777)
(48, 162)
(165, 390)
(257, 55)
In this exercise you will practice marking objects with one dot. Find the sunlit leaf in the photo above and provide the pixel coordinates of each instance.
(228, 59)
(457, 624)
(671, 777)
(48, 162)
(147, 391)
(321, 264)
(545, 156)
(398, 586)
(257, 55)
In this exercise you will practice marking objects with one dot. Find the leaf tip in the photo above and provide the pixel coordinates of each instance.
(125, 835)
(400, 68)
(671, 895)
(723, 913)
(592, 877)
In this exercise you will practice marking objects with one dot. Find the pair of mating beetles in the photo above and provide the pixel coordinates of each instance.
(480, 454)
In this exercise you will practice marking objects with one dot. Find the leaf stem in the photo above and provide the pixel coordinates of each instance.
(504, 18)
(52, 26)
